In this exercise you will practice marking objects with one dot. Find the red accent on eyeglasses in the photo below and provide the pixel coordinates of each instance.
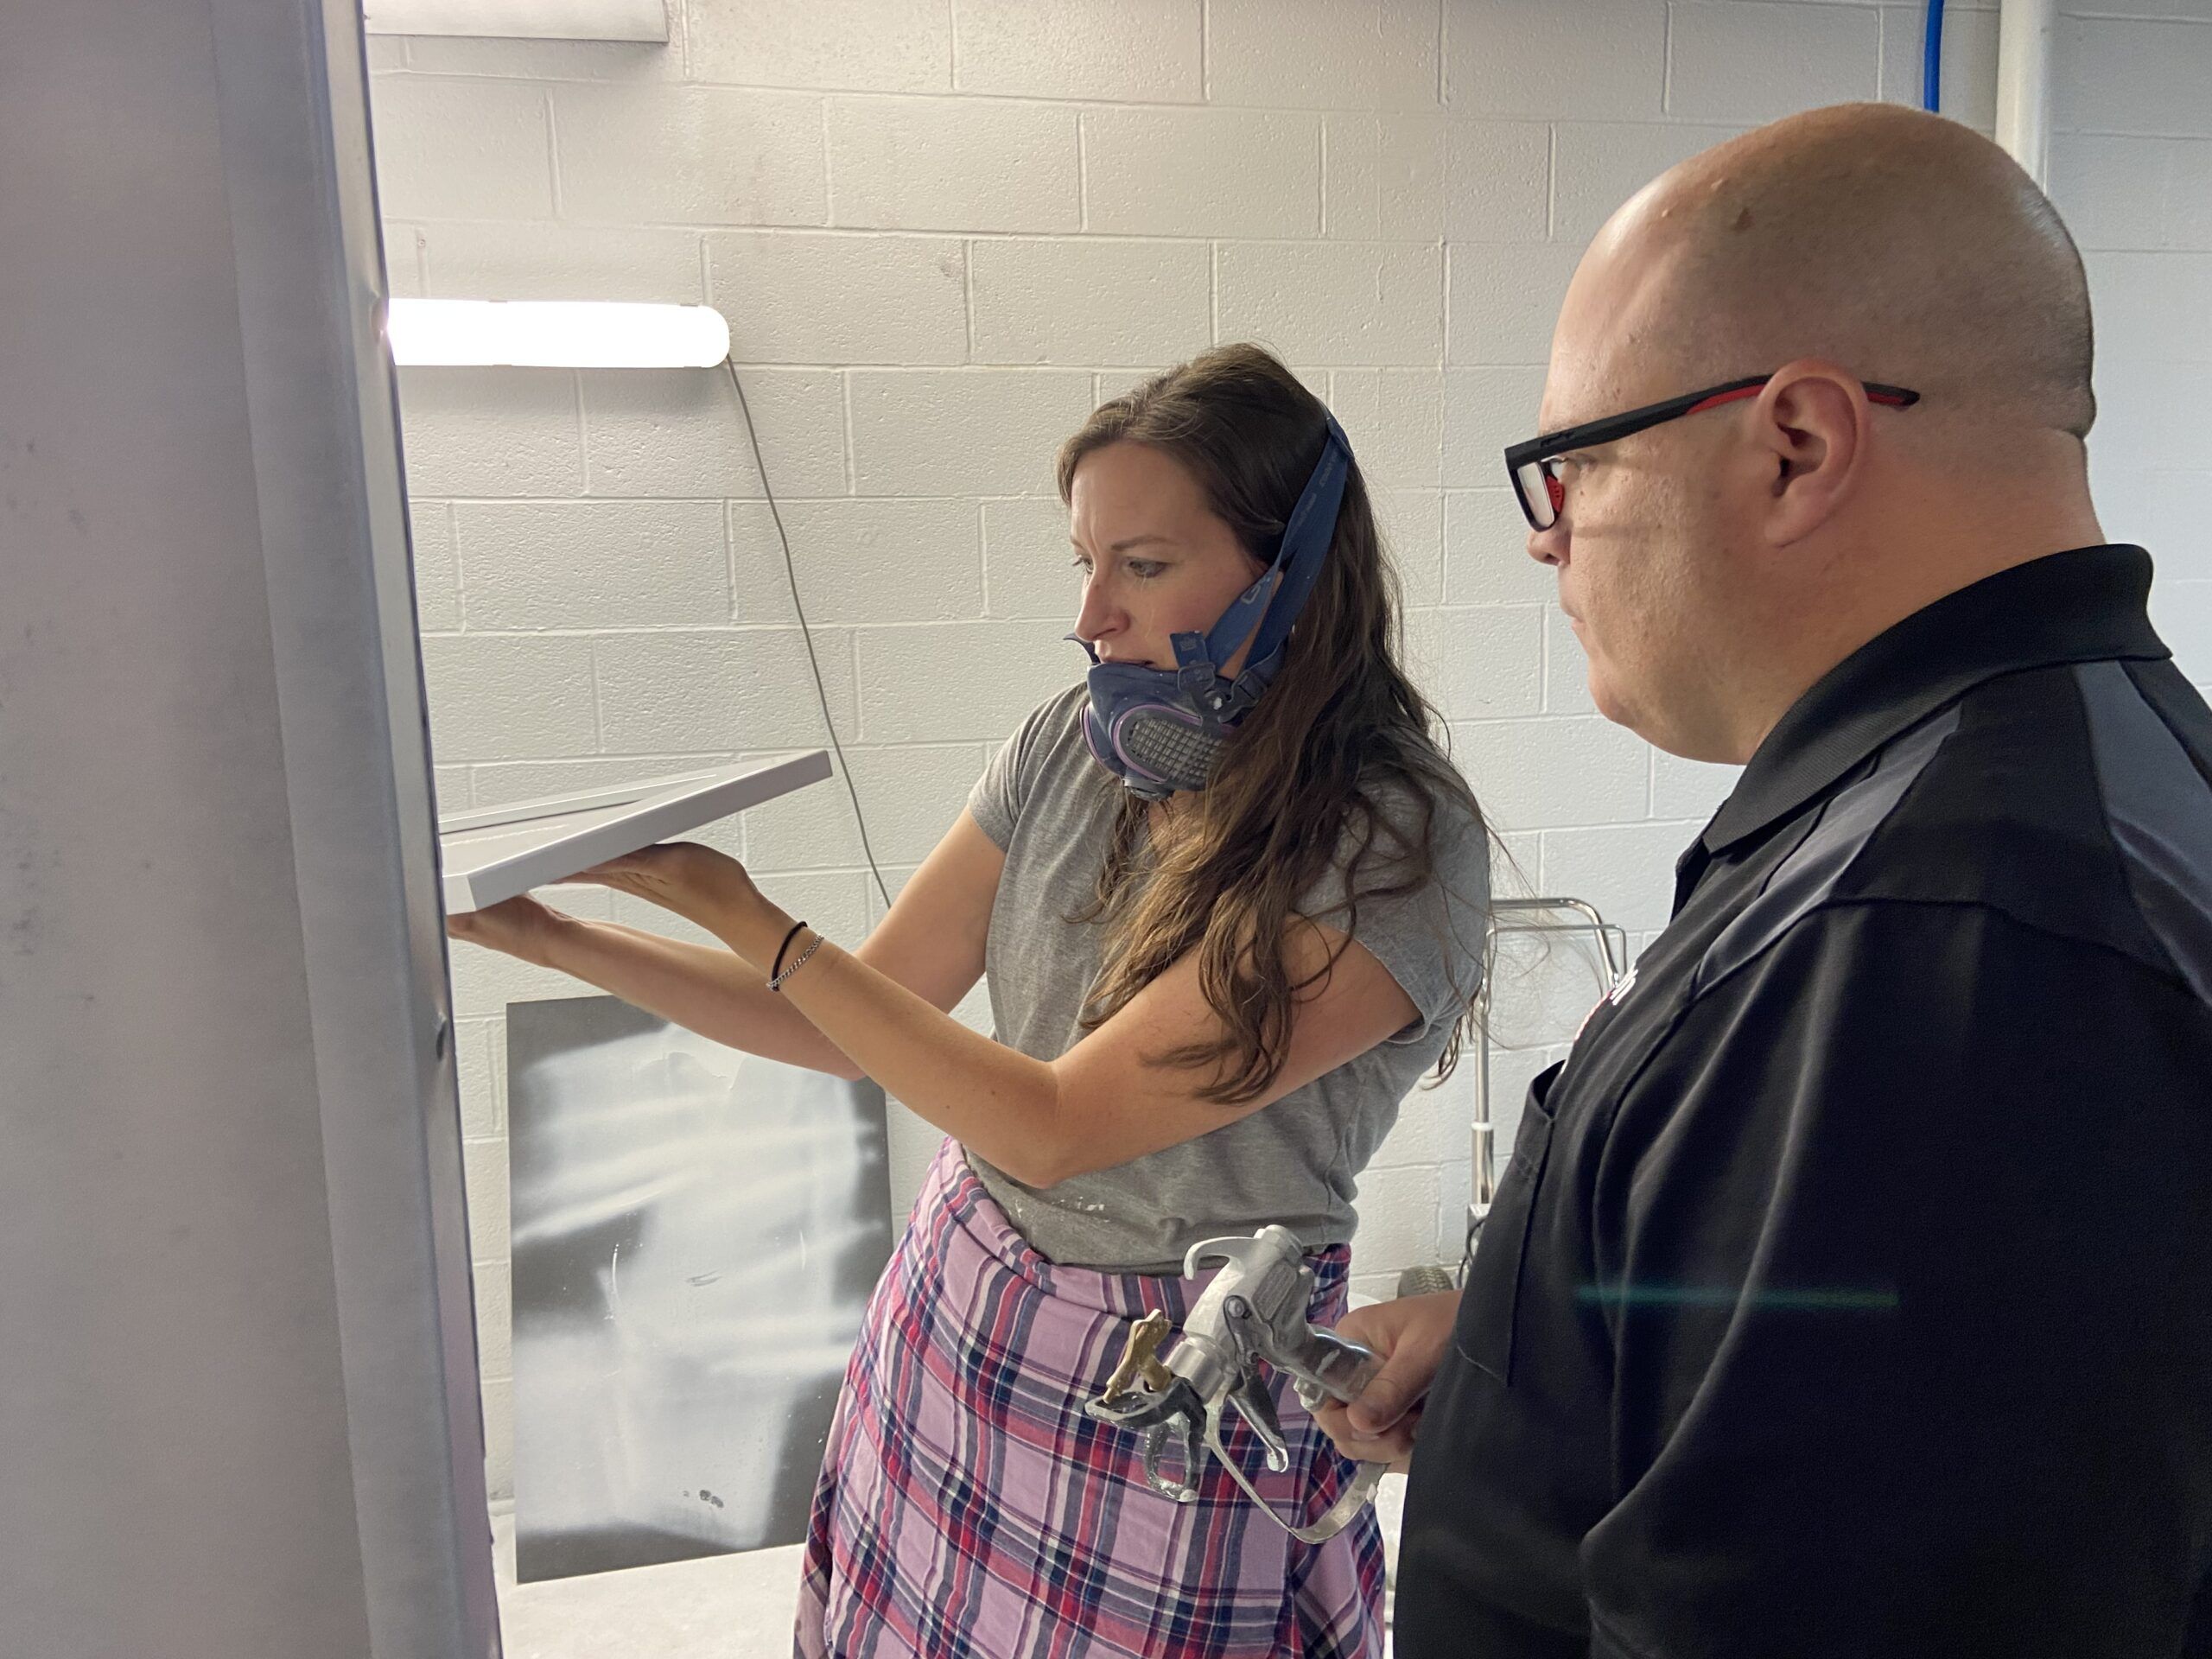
(1718, 398)
(1890, 399)
(1555, 488)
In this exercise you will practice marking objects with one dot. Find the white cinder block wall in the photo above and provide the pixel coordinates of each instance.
(942, 229)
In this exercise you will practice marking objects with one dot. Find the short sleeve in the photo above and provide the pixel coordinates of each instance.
(996, 801)
(1430, 938)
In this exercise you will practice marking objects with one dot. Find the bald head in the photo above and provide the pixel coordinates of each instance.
(1898, 243)
(1715, 567)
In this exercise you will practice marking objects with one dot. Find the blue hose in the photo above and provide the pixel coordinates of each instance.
(1931, 61)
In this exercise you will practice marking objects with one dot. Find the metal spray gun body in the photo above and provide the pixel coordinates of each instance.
(1254, 1312)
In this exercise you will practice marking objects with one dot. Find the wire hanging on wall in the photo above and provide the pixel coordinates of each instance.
(814, 663)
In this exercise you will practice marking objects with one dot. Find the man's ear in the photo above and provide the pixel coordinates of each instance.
(1814, 419)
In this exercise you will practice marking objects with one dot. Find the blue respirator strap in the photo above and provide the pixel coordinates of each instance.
(1280, 594)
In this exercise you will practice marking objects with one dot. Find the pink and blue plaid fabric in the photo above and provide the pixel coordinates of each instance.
(967, 1506)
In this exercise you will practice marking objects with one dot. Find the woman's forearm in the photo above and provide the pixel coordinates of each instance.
(713, 992)
(987, 1095)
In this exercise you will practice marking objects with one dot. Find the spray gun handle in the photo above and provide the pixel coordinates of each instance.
(1332, 1366)
(1321, 1363)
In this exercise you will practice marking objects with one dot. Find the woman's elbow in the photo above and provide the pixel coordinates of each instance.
(1035, 1167)
(1041, 1164)
(1050, 1149)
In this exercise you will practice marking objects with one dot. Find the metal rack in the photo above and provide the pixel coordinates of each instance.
(1521, 916)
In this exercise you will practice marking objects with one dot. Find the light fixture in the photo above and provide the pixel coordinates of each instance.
(556, 334)
(542, 20)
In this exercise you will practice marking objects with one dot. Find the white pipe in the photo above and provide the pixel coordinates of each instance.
(2023, 31)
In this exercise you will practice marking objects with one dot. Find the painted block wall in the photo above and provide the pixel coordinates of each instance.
(941, 229)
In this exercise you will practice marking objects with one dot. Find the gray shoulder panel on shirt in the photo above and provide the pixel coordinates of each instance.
(2160, 810)
(1807, 878)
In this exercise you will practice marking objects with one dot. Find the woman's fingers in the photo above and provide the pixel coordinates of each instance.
(695, 882)
(648, 871)
(516, 927)
(613, 873)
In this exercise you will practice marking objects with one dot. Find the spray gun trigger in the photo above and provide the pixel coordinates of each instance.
(1256, 1406)
(1248, 1394)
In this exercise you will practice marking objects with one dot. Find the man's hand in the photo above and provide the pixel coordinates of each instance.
(1410, 1335)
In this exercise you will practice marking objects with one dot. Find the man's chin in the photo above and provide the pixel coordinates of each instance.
(1606, 696)
(1619, 709)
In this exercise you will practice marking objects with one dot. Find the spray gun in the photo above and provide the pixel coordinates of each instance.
(1253, 1311)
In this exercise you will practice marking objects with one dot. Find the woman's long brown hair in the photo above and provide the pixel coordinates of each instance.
(1341, 759)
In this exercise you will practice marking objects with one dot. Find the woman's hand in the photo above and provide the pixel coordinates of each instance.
(704, 886)
(1410, 1334)
(516, 927)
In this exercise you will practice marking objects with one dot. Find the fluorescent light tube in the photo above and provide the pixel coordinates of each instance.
(556, 334)
(548, 20)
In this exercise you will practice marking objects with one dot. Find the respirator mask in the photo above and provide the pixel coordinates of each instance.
(1161, 730)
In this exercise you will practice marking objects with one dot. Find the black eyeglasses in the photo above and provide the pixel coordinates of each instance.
(1533, 465)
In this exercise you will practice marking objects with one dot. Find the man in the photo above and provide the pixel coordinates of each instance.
(1850, 1289)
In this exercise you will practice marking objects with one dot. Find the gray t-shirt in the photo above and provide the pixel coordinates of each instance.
(1051, 807)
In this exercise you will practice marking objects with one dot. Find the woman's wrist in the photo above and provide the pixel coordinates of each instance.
(753, 928)
(558, 943)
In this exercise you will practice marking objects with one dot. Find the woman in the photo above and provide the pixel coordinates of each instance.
(1208, 999)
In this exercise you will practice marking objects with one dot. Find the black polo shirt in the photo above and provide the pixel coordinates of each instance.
(1850, 1289)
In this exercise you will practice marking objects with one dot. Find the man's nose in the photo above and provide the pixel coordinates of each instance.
(1548, 546)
